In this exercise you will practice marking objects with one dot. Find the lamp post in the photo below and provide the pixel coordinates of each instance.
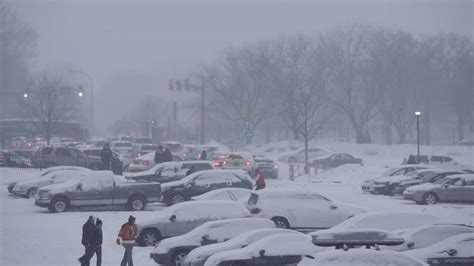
(417, 115)
(80, 93)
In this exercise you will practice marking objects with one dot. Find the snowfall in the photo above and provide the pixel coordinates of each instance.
(32, 236)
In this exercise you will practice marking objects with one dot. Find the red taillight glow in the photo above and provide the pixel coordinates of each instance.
(225, 162)
(146, 162)
(247, 162)
(275, 166)
(255, 210)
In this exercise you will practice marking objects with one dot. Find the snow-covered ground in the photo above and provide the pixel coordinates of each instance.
(32, 236)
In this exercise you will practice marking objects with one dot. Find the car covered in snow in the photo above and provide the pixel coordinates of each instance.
(299, 209)
(424, 236)
(368, 184)
(360, 257)
(172, 251)
(298, 156)
(184, 217)
(356, 238)
(419, 177)
(170, 171)
(99, 188)
(145, 162)
(460, 246)
(198, 256)
(54, 175)
(233, 193)
(202, 182)
(453, 188)
(334, 160)
(278, 249)
(267, 167)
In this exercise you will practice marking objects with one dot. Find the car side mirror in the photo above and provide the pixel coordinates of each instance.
(333, 206)
(410, 244)
(262, 252)
(205, 237)
(173, 218)
(446, 186)
(79, 186)
(244, 245)
(451, 252)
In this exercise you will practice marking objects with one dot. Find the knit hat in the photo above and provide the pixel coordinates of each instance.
(131, 219)
(98, 221)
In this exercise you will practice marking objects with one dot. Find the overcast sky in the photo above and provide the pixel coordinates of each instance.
(166, 39)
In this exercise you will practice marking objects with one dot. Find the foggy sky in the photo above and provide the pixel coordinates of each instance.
(166, 39)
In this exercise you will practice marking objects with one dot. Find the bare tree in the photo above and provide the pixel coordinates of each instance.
(50, 101)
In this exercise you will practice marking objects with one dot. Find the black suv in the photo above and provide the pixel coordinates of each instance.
(203, 182)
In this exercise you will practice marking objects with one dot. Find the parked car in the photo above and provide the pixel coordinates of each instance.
(142, 149)
(190, 152)
(184, 217)
(58, 156)
(279, 249)
(122, 145)
(202, 182)
(298, 209)
(427, 235)
(354, 238)
(457, 246)
(233, 193)
(11, 158)
(142, 163)
(360, 257)
(175, 147)
(298, 156)
(99, 188)
(127, 139)
(28, 188)
(115, 163)
(173, 251)
(198, 256)
(240, 160)
(425, 176)
(368, 184)
(433, 159)
(143, 140)
(334, 160)
(453, 188)
(170, 171)
(267, 167)
(217, 158)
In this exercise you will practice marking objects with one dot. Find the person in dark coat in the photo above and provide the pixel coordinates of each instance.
(88, 230)
(167, 156)
(159, 155)
(411, 160)
(97, 241)
(260, 183)
(106, 156)
(203, 155)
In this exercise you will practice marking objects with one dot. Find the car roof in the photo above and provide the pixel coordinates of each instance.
(287, 192)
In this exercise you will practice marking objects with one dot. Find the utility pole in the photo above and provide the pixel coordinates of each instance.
(202, 110)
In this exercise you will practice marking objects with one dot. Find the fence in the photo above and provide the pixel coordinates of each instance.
(298, 169)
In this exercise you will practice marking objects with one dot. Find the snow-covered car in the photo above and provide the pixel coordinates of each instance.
(380, 220)
(172, 251)
(368, 184)
(388, 185)
(98, 188)
(418, 177)
(240, 160)
(355, 238)
(184, 217)
(267, 167)
(279, 249)
(453, 188)
(298, 156)
(169, 171)
(142, 163)
(457, 246)
(55, 175)
(424, 236)
(143, 140)
(360, 257)
(198, 256)
(334, 160)
(299, 209)
(190, 152)
(203, 182)
(233, 193)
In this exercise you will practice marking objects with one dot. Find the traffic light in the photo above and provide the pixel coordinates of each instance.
(178, 85)
(170, 84)
(26, 93)
(80, 90)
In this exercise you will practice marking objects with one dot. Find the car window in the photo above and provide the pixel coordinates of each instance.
(458, 182)
(203, 166)
(399, 172)
(204, 180)
(447, 159)
(345, 156)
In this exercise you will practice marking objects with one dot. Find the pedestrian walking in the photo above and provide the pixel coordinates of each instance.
(106, 156)
(159, 155)
(411, 159)
(97, 241)
(87, 235)
(260, 184)
(167, 156)
(203, 155)
(126, 238)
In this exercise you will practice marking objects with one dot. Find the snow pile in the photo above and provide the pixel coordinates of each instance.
(8, 175)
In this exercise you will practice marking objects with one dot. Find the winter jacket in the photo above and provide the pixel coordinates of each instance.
(106, 154)
(167, 156)
(203, 155)
(87, 233)
(128, 233)
(158, 157)
(96, 237)
(260, 184)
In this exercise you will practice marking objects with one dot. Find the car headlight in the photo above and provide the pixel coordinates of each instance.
(44, 195)
(409, 191)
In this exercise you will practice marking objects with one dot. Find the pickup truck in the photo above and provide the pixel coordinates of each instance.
(99, 188)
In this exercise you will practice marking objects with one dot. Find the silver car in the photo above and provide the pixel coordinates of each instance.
(455, 188)
(184, 217)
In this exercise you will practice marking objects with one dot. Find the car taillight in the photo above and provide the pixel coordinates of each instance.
(146, 162)
(275, 166)
(29, 145)
(247, 162)
(255, 210)
(225, 162)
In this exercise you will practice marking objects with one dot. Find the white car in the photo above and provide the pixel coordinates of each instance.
(280, 249)
(428, 235)
(142, 163)
(232, 193)
(240, 160)
(461, 245)
(184, 217)
(54, 175)
(360, 257)
(299, 209)
(198, 256)
(298, 156)
(368, 184)
(170, 171)
(172, 251)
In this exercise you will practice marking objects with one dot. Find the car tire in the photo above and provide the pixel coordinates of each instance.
(136, 203)
(430, 198)
(31, 192)
(292, 160)
(175, 198)
(59, 204)
(281, 222)
(149, 237)
(177, 259)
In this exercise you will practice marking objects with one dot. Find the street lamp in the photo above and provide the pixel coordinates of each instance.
(81, 93)
(417, 115)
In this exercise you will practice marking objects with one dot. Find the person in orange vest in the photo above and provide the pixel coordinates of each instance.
(260, 184)
(126, 237)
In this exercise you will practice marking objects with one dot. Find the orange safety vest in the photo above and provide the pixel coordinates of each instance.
(128, 233)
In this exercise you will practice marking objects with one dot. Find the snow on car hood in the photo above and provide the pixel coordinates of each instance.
(392, 179)
(463, 243)
(423, 187)
(61, 187)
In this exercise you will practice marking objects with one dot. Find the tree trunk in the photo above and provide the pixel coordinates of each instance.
(362, 136)
(387, 127)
